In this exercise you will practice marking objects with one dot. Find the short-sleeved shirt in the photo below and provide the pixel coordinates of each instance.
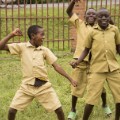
(82, 29)
(103, 48)
(33, 60)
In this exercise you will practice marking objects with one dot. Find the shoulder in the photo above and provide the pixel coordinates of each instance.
(113, 27)
(46, 50)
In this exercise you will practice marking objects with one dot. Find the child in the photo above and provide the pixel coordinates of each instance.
(80, 72)
(104, 42)
(35, 83)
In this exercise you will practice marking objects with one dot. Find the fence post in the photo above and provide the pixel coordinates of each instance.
(79, 9)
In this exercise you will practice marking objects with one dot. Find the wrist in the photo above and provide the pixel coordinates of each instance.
(12, 35)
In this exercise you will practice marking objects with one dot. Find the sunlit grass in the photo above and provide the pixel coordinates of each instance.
(10, 79)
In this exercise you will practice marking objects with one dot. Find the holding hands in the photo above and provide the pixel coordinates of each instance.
(74, 63)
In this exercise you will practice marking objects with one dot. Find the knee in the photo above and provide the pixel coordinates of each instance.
(59, 110)
(12, 111)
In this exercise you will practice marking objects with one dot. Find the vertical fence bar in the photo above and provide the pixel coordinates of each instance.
(12, 18)
(110, 5)
(63, 38)
(101, 3)
(96, 5)
(25, 20)
(69, 40)
(42, 11)
(53, 22)
(114, 11)
(58, 26)
(19, 16)
(36, 10)
(47, 17)
(30, 13)
(6, 25)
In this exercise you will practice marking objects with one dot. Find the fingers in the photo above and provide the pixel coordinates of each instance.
(73, 64)
(17, 32)
(74, 83)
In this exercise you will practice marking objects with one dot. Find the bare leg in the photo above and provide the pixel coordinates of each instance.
(117, 114)
(74, 102)
(11, 114)
(103, 96)
(60, 113)
(87, 111)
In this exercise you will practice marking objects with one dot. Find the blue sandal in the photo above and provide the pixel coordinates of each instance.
(72, 116)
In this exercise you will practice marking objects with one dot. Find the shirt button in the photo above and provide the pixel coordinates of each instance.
(105, 41)
(106, 51)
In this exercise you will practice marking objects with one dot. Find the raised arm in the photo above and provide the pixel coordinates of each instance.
(60, 70)
(81, 58)
(70, 7)
(3, 42)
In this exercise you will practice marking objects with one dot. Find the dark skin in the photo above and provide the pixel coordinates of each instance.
(103, 18)
(36, 40)
(90, 18)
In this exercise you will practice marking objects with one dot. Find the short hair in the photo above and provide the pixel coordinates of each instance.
(103, 9)
(33, 29)
(88, 10)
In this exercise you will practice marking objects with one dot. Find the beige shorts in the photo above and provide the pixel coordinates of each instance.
(96, 82)
(80, 75)
(45, 94)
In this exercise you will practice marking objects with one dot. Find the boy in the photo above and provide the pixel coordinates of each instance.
(35, 83)
(104, 42)
(80, 72)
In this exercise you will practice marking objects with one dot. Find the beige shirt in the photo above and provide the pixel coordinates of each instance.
(103, 48)
(33, 61)
(82, 30)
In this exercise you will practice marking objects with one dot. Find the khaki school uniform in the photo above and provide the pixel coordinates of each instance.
(81, 71)
(33, 66)
(103, 65)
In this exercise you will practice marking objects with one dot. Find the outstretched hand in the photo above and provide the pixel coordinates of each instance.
(17, 32)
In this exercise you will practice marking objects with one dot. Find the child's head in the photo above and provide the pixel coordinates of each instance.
(90, 16)
(36, 35)
(103, 18)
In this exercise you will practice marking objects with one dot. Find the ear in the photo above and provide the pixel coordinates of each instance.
(32, 35)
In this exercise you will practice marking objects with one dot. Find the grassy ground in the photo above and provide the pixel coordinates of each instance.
(10, 79)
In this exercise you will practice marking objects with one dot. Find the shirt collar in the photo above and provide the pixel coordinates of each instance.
(30, 45)
(99, 28)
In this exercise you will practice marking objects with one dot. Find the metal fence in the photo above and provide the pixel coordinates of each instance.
(51, 15)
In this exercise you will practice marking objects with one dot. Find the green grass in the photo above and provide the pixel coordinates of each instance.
(10, 79)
